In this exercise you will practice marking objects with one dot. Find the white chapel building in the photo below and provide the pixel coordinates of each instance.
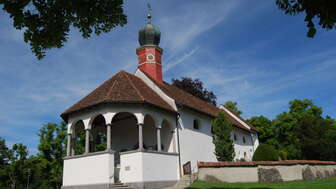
(139, 130)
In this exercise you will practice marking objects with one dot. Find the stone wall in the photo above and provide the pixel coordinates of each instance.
(267, 171)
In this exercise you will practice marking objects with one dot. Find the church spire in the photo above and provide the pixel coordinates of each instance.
(149, 14)
(149, 53)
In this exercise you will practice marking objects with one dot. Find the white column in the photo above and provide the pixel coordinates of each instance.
(69, 145)
(87, 141)
(174, 140)
(108, 135)
(158, 136)
(140, 125)
(72, 144)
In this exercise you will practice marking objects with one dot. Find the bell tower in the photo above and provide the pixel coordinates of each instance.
(149, 53)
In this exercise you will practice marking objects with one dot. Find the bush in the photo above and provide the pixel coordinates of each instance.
(283, 155)
(265, 152)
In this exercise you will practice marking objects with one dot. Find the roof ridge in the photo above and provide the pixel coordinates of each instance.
(110, 90)
(241, 118)
(191, 95)
(143, 99)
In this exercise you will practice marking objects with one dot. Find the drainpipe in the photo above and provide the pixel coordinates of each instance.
(178, 143)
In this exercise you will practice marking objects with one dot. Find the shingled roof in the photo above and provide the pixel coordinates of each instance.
(121, 88)
(190, 101)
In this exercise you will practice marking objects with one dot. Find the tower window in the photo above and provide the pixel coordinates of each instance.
(196, 124)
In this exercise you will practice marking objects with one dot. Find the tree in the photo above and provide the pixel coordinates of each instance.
(329, 142)
(221, 128)
(13, 172)
(287, 123)
(317, 138)
(3, 162)
(322, 10)
(266, 131)
(195, 87)
(311, 133)
(233, 107)
(47, 23)
(52, 149)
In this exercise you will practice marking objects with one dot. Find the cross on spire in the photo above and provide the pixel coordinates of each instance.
(149, 14)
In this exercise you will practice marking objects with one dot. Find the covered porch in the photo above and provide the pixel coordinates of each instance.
(130, 147)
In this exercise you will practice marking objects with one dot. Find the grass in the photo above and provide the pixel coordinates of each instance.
(316, 184)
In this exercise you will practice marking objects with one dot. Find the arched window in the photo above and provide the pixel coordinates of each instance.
(196, 124)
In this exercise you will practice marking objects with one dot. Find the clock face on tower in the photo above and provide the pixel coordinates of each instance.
(150, 57)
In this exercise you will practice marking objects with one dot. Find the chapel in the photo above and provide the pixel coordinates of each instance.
(138, 130)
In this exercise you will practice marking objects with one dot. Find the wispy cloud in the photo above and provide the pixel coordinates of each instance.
(172, 63)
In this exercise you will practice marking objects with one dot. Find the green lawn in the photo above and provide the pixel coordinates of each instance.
(316, 184)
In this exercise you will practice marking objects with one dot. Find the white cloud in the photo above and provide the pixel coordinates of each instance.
(172, 63)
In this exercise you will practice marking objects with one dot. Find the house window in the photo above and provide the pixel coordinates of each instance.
(244, 140)
(235, 137)
(196, 124)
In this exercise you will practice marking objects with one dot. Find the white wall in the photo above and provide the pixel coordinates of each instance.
(97, 169)
(147, 167)
(287, 172)
(195, 145)
(131, 167)
(240, 147)
(160, 167)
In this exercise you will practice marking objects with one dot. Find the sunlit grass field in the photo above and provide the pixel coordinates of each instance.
(316, 184)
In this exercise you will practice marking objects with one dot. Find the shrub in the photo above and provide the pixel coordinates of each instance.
(283, 155)
(265, 152)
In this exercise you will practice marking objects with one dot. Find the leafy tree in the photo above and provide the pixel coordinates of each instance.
(317, 138)
(14, 172)
(311, 132)
(322, 10)
(3, 162)
(232, 106)
(47, 23)
(265, 152)
(287, 123)
(329, 142)
(224, 150)
(3, 151)
(305, 107)
(52, 149)
(266, 131)
(195, 87)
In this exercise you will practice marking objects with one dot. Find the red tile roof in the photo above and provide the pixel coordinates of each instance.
(268, 163)
(121, 88)
(190, 101)
(128, 88)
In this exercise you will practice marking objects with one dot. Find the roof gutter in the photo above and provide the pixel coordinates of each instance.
(178, 143)
(65, 115)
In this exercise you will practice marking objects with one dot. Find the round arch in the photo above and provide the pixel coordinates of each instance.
(149, 133)
(167, 136)
(98, 135)
(124, 132)
(78, 137)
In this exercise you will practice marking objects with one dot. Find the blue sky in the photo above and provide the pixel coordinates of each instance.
(244, 51)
